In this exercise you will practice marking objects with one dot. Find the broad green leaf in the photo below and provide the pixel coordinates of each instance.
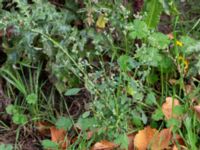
(149, 56)
(86, 123)
(6, 147)
(86, 114)
(150, 99)
(72, 91)
(64, 123)
(48, 144)
(122, 140)
(138, 30)
(159, 40)
(19, 119)
(154, 10)
(158, 115)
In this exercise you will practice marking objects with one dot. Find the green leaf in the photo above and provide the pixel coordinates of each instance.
(158, 115)
(150, 99)
(86, 114)
(19, 119)
(138, 30)
(64, 123)
(31, 98)
(159, 40)
(178, 110)
(149, 56)
(166, 65)
(48, 144)
(72, 91)
(122, 140)
(11, 109)
(172, 122)
(86, 123)
(6, 147)
(154, 10)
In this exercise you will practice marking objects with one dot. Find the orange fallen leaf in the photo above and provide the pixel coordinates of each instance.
(131, 141)
(59, 136)
(89, 134)
(170, 36)
(104, 145)
(43, 127)
(197, 110)
(162, 140)
(167, 107)
(174, 147)
(144, 137)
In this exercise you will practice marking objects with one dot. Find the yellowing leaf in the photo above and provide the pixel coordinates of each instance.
(101, 21)
(167, 107)
(104, 145)
(144, 137)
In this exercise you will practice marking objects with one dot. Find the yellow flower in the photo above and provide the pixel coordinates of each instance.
(179, 43)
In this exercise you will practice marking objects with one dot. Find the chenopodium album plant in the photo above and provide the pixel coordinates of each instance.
(135, 49)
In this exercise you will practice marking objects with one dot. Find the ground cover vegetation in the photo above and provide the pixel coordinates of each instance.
(99, 74)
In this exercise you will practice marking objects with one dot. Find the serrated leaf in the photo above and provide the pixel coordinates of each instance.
(64, 123)
(154, 10)
(19, 119)
(138, 30)
(31, 98)
(149, 56)
(159, 40)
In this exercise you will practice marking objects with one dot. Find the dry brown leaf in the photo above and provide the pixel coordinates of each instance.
(89, 134)
(59, 136)
(197, 110)
(43, 127)
(167, 107)
(174, 147)
(104, 145)
(131, 141)
(178, 139)
(162, 140)
(170, 36)
(173, 81)
(144, 137)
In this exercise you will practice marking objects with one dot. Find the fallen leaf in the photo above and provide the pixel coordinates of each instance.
(43, 127)
(177, 139)
(144, 137)
(131, 141)
(104, 145)
(170, 36)
(162, 140)
(59, 136)
(174, 147)
(167, 107)
(89, 134)
(197, 110)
